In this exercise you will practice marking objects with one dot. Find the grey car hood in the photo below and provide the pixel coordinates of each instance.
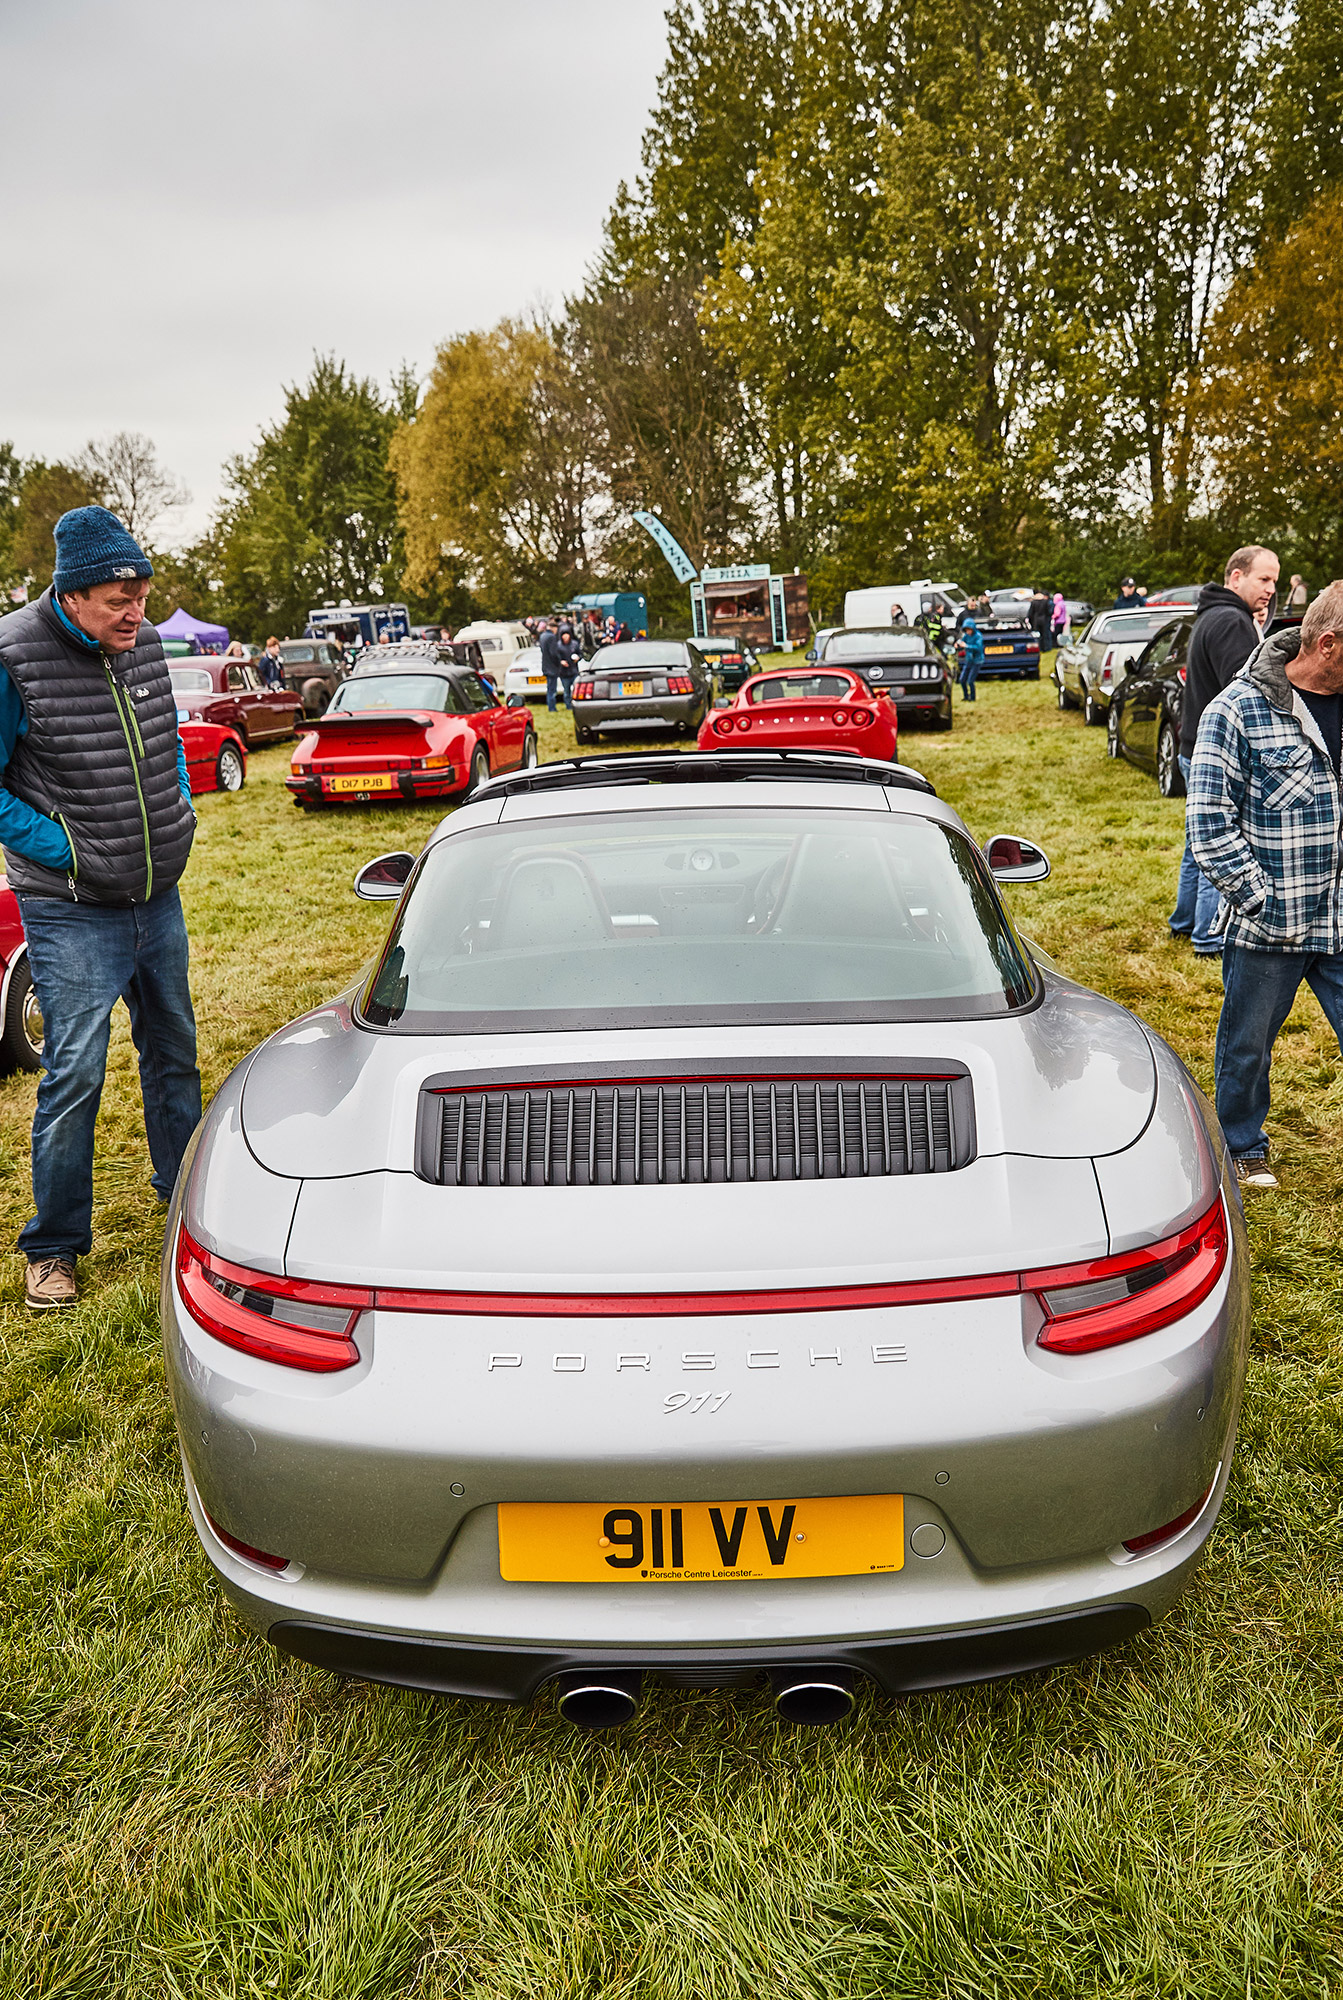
(1073, 1078)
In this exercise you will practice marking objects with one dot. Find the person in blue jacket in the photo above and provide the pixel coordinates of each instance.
(971, 649)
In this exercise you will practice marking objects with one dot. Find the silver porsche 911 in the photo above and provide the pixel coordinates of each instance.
(710, 1244)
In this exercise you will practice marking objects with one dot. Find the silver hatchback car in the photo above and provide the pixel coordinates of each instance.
(712, 1244)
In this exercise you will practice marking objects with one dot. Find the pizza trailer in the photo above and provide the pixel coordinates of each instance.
(749, 601)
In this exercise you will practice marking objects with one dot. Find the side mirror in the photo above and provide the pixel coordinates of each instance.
(1011, 859)
(811, 655)
(516, 701)
(382, 881)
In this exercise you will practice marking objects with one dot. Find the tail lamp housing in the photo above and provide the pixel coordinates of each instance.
(680, 684)
(294, 1321)
(1115, 1299)
(584, 690)
(723, 726)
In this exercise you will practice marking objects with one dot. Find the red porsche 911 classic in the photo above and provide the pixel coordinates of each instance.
(412, 726)
(804, 709)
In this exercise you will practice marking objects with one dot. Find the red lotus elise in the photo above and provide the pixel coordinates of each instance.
(804, 709)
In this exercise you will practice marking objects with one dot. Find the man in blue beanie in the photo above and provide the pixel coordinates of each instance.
(96, 825)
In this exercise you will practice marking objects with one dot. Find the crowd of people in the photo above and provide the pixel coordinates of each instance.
(565, 642)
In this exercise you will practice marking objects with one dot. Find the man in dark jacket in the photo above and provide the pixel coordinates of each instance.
(552, 661)
(1039, 616)
(1130, 598)
(96, 825)
(1224, 636)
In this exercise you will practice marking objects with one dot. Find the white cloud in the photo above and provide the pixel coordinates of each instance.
(207, 194)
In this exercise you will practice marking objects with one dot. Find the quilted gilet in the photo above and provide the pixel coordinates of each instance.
(100, 756)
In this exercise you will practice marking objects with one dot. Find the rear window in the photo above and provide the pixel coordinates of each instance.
(698, 918)
(394, 691)
(802, 687)
(190, 680)
(639, 655)
(875, 645)
(1130, 624)
(299, 654)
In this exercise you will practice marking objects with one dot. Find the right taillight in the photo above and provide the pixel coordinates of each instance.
(290, 1320)
(584, 690)
(1113, 1299)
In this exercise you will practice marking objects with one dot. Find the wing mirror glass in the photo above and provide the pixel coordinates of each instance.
(383, 880)
(1012, 859)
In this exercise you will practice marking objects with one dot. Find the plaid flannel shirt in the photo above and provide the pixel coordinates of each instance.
(1264, 811)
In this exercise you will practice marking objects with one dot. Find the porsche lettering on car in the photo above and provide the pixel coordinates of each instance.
(805, 708)
(708, 1243)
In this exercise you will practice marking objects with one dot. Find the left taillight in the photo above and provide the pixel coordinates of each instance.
(290, 1320)
(1113, 1299)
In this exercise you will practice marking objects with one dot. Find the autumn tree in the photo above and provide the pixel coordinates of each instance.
(496, 472)
(1273, 394)
(125, 468)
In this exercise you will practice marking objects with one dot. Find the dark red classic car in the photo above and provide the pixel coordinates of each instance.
(231, 693)
(413, 726)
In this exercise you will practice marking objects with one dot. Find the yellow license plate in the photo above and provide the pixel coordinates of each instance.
(997, 649)
(631, 687)
(380, 781)
(536, 680)
(696, 1542)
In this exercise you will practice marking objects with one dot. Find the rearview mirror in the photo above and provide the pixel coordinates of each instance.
(1012, 859)
(382, 881)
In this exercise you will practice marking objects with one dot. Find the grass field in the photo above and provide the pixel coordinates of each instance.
(184, 1813)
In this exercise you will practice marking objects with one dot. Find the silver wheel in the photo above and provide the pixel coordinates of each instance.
(23, 1034)
(480, 769)
(1114, 747)
(229, 770)
(1169, 776)
(531, 756)
(1092, 712)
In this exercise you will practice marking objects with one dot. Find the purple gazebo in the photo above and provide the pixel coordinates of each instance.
(203, 638)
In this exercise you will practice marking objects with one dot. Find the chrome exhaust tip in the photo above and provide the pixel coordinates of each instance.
(598, 1700)
(813, 1695)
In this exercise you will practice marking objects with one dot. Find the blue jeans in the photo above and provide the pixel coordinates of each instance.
(84, 958)
(567, 699)
(1258, 990)
(1196, 899)
(968, 676)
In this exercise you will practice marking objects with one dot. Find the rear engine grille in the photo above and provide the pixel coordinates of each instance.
(683, 1132)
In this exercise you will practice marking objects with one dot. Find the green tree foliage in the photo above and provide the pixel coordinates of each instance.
(496, 472)
(45, 493)
(311, 517)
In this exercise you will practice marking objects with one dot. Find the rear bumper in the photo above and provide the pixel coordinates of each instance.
(898, 1666)
(410, 785)
(673, 711)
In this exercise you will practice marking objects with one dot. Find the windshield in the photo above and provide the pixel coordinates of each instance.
(298, 653)
(875, 645)
(660, 918)
(802, 687)
(639, 653)
(1130, 624)
(189, 680)
(392, 691)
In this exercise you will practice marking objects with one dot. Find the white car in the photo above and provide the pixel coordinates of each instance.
(526, 676)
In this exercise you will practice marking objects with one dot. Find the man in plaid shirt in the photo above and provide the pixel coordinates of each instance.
(1264, 817)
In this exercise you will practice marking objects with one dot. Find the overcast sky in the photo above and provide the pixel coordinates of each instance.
(200, 196)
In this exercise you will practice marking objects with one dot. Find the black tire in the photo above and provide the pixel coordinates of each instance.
(316, 698)
(1169, 776)
(531, 755)
(230, 771)
(1113, 746)
(1034, 675)
(480, 769)
(21, 1038)
(582, 735)
(942, 720)
(1092, 713)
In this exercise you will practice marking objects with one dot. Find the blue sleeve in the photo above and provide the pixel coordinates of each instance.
(183, 776)
(22, 827)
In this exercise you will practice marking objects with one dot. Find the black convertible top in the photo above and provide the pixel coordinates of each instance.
(701, 767)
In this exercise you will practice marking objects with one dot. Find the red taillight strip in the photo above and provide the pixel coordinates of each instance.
(1199, 1254)
(663, 1305)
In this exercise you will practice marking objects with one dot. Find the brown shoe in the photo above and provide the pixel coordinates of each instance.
(51, 1283)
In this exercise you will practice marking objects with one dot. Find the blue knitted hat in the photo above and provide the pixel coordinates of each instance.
(93, 547)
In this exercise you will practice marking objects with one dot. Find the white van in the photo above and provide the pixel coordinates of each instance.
(876, 604)
(499, 643)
